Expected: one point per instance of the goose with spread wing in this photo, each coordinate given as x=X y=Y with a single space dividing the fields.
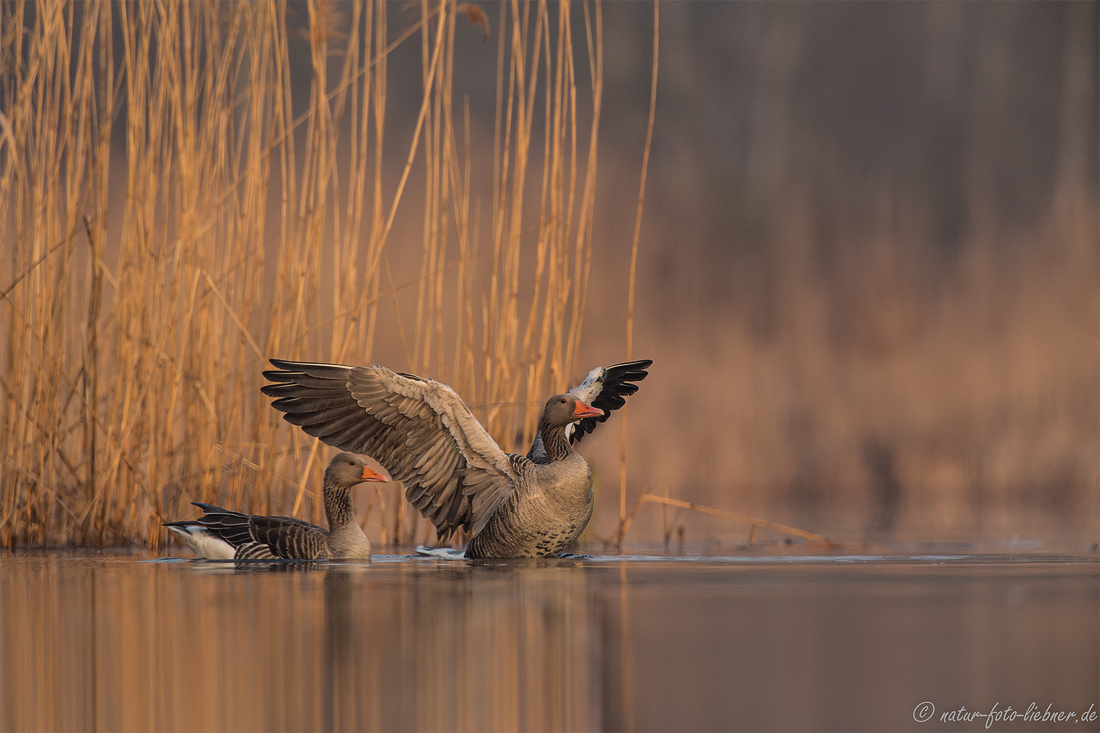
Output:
x=220 y=534
x=453 y=472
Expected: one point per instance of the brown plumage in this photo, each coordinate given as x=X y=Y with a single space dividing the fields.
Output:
x=453 y=471
x=220 y=534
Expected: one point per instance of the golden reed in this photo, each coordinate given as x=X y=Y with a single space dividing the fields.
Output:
x=174 y=213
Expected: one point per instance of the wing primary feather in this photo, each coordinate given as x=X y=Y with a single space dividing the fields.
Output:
x=307 y=368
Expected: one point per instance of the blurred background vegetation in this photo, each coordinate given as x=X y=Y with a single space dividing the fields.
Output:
x=868 y=268
x=871 y=265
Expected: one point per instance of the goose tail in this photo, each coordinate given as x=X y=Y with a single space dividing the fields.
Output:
x=205 y=544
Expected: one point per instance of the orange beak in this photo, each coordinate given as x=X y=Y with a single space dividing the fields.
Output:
x=584 y=410
x=369 y=474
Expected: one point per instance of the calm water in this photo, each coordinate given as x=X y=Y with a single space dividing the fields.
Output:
x=119 y=642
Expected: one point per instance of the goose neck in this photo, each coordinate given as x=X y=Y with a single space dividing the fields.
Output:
x=554 y=440
x=338 y=508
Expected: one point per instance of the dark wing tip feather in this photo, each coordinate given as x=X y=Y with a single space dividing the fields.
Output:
x=311 y=396
x=209 y=511
x=291 y=371
x=283 y=404
x=632 y=367
x=618 y=384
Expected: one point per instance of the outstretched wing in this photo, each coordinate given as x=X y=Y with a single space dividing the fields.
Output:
x=421 y=432
x=606 y=388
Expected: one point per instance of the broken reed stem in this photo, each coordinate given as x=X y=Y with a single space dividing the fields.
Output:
x=634 y=253
x=753 y=522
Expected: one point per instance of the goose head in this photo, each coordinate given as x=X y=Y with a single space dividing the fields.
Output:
x=563 y=409
x=347 y=470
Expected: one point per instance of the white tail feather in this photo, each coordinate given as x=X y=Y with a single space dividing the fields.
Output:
x=205 y=545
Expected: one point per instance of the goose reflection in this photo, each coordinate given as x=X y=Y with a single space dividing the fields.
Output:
x=488 y=646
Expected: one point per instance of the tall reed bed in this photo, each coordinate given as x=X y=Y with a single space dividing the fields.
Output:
x=173 y=214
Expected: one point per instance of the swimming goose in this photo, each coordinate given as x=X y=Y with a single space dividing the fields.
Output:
x=220 y=534
x=453 y=471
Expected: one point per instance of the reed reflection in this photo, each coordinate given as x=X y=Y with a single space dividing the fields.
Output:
x=109 y=643
x=88 y=645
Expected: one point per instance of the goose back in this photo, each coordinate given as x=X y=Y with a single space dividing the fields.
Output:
x=260 y=537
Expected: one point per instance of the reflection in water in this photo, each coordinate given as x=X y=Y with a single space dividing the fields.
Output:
x=110 y=643
x=621 y=706
x=498 y=648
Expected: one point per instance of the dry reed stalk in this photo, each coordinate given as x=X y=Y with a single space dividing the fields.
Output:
x=534 y=338
x=130 y=365
x=634 y=253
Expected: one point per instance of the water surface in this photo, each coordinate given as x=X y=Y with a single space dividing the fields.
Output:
x=118 y=642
